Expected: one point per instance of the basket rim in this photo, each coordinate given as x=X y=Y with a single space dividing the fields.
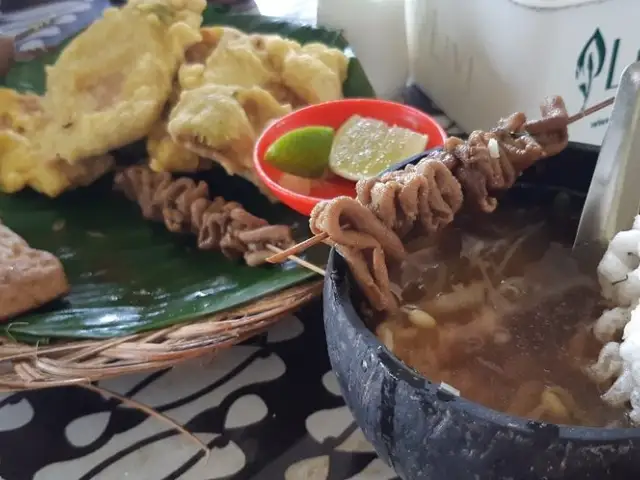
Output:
x=73 y=362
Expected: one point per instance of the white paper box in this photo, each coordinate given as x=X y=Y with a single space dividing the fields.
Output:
x=481 y=60
x=375 y=30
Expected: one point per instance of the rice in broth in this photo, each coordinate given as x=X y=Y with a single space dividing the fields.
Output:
x=496 y=307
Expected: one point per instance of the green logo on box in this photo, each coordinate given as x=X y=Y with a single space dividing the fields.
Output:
x=590 y=64
x=598 y=58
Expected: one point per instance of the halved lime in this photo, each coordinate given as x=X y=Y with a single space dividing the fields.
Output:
x=365 y=147
x=303 y=152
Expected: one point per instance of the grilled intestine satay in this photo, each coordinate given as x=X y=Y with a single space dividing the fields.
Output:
x=365 y=245
x=427 y=196
x=185 y=206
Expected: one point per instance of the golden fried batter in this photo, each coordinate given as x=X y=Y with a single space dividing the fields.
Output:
x=23 y=163
x=191 y=72
x=165 y=155
x=19 y=115
x=221 y=123
x=333 y=58
x=312 y=72
x=211 y=37
x=15 y=161
x=211 y=122
x=260 y=106
x=19 y=112
x=311 y=79
x=275 y=47
x=233 y=61
x=53 y=176
x=101 y=102
x=234 y=84
x=229 y=86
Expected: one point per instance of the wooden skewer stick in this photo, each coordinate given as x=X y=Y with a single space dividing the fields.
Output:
x=298 y=260
x=283 y=255
x=592 y=109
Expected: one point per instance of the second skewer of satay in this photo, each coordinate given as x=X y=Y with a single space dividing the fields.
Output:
x=369 y=229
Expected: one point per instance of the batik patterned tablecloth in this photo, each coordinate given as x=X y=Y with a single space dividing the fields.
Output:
x=268 y=409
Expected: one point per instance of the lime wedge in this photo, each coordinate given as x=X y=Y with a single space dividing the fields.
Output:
x=365 y=147
x=303 y=152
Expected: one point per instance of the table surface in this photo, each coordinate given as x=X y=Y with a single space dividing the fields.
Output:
x=268 y=409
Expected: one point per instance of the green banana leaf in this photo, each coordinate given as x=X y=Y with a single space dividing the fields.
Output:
x=129 y=275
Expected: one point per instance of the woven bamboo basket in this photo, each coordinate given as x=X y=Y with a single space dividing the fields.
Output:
x=29 y=367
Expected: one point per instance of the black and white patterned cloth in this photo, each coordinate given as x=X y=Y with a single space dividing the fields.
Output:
x=268 y=409
x=17 y=16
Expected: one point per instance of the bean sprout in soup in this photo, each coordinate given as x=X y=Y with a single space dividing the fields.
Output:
x=496 y=307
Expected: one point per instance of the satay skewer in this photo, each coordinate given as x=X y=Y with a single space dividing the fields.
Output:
x=283 y=255
x=583 y=113
x=321 y=237
x=592 y=109
x=298 y=260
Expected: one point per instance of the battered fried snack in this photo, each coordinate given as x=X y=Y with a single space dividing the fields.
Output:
x=20 y=112
x=101 y=102
x=221 y=123
x=315 y=75
x=24 y=164
x=165 y=155
x=185 y=206
x=232 y=84
x=210 y=121
x=225 y=56
x=29 y=278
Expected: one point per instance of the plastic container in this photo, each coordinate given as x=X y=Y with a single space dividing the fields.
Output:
x=334 y=114
x=376 y=32
x=503 y=56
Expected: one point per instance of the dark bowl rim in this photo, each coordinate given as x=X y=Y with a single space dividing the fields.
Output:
x=392 y=363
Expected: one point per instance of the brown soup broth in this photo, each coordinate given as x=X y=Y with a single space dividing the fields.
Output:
x=512 y=312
